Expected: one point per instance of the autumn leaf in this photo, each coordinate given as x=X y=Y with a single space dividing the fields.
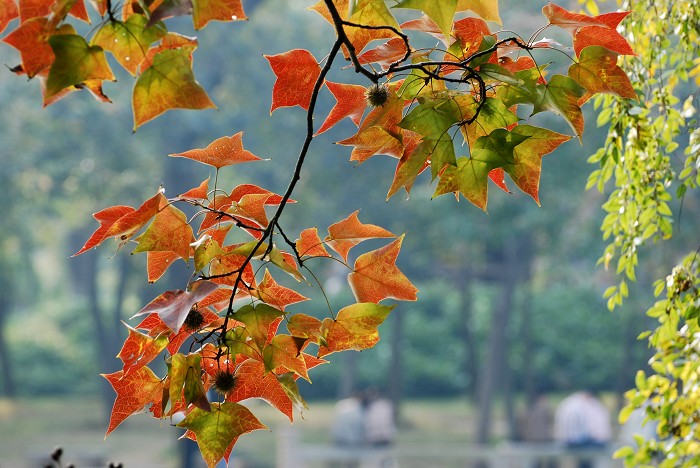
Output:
x=206 y=250
x=157 y=263
x=198 y=193
x=76 y=62
x=528 y=154
x=106 y=218
x=284 y=351
x=442 y=13
x=375 y=276
x=597 y=71
x=204 y=11
x=128 y=41
x=8 y=12
x=277 y=296
x=224 y=151
x=561 y=96
x=493 y=114
x=309 y=244
x=254 y=381
x=169 y=232
x=217 y=429
x=296 y=72
x=486 y=9
x=139 y=349
x=155 y=326
x=173 y=306
x=168 y=83
x=185 y=373
x=30 y=38
x=568 y=20
x=134 y=392
x=604 y=36
x=345 y=234
x=350 y=102
x=354 y=328
x=392 y=51
x=427 y=25
x=305 y=326
x=258 y=319
x=415 y=159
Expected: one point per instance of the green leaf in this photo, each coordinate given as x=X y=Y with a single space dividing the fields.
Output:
x=76 y=62
x=496 y=72
x=561 y=96
x=128 y=41
x=258 y=319
x=218 y=429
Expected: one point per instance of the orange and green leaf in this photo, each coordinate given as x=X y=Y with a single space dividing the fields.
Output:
x=224 y=151
x=345 y=234
x=129 y=41
x=31 y=39
x=355 y=328
x=139 y=349
x=76 y=62
x=254 y=381
x=597 y=71
x=277 y=296
x=169 y=232
x=204 y=11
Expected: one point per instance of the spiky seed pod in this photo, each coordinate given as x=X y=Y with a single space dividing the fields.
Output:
x=377 y=95
x=194 y=319
x=224 y=382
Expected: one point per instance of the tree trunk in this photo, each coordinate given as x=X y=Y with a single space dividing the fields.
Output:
x=8 y=381
x=395 y=385
x=348 y=376
x=470 y=364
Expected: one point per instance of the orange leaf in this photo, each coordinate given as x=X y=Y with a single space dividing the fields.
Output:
x=349 y=232
x=126 y=226
x=498 y=177
x=224 y=151
x=413 y=161
x=254 y=381
x=305 y=326
x=8 y=12
x=390 y=52
x=210 y=10
x=197 y=193
x=31 y=38
x=106 y=218
x=134 y=392
x=169 y=232
x=247 y=189
x=173 y=306
x=139 y=349
x=597 y=71
x=284 y=351
x=157 y=263
x=568 y=20
x=228 y=265
x=251 y=207
x=310 y=244
x=376 y=277
x=427 y=25
x=355 y=328
x=350 y=102
x=277 y=296
x=296 y=72
x=258 y=320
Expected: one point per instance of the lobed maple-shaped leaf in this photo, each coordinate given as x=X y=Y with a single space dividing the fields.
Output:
x=597 y=71
x=251 y=207
x=528 y=154
x=168 y=83
x=106 y=218
x=310 y=244
x=354 y=328
x=392 y=51
x=168 y=232
x=285 y=351
x=57 y=8
x=305 y=326
x=277 y=296
x=254 y=381
x=8 y=12
x=206 y=250
x=224 y=151
x=604 y=36
x=173 y=306
x=217 y=429
x=155 y=326
x=135 y=391
x=129 y=40
x=561 y=96
x=427 y=25
x=344 y=235
x=370 y=13
x=296 y=72
x=375 y=276
x=204 y=11
x=415 y=159
x=350 y=102
x=227 y=266
x=31 y=39
x=486 y=9
x=493 y=114
x=139 y=349
x=75 y=63
x=157 y=264
x=442 y=13
x=470 y=176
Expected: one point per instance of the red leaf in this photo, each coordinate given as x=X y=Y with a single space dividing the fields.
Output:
x=568 y=20
x=225 y=151
x=606 y=36
x=106 y=218
x=31 y=38
x=350 y=102
x=173 y=306
x=498 y=177
x=8 y=12
x=349 y=232
x=157 y=263
x=376 y=277
x=126 y=226
x=305 y=326
x=296 y=72
x=390 y=52
x=134 y=391
x=597 y=71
